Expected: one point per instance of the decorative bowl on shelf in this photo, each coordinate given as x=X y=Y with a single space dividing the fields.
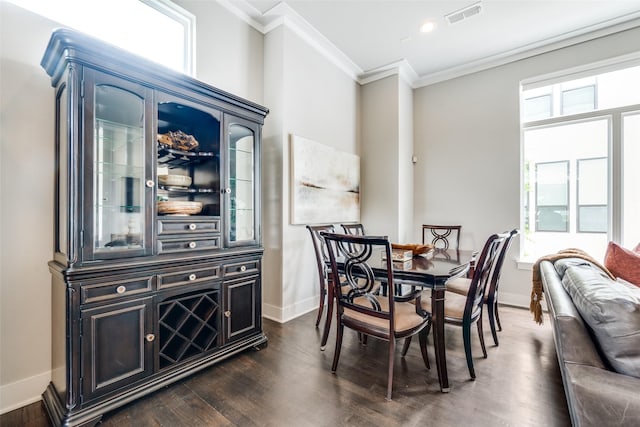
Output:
x=179 y=207
x=175 y=180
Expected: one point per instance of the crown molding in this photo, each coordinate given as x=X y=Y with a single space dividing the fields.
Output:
x=283 y=15
x=401 y=68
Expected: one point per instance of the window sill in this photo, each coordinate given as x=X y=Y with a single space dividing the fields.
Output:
x=525 y=264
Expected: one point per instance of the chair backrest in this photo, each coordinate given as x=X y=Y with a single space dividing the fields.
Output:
x=355 y=252
x=442 y=236
x=353 y=229
x=497 y=267
x=481 y=275
x=320 y=248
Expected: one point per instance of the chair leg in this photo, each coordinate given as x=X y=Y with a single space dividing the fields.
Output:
x=492 y=308
x=481 y=335
x=423 y=345
x=327 y=322
x=498 y=317
x=466 y=337
x=336 y=351
x=405 y=346
x=323 y=293
x=392 y=351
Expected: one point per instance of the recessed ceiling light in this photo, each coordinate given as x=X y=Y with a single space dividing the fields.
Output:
x=427 y=27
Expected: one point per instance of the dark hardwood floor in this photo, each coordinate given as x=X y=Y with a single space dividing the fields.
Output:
x=289 y=383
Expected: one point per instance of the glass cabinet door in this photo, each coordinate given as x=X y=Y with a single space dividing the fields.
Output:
x=120 y=174
x=242 y=201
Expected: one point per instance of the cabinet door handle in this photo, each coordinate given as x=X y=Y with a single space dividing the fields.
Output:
x=192 y=277
x=227 y=190
x=150 y=183
x=121 y=289
x=150 y=337
x=192 y=245
x=227 y=313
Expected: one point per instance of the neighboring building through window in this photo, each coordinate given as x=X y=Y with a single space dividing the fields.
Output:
x=158 y=30
x=581 y=146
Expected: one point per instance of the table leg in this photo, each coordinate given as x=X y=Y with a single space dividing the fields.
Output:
x=437 y=305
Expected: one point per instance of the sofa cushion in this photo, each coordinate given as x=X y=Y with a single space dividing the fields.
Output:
x=612 y=311
x=623 y=263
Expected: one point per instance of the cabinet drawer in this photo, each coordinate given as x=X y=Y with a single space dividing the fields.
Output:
x=188 y=276
x=188 y=245
x=170 y=226
x=241 y=268
x=114 y=289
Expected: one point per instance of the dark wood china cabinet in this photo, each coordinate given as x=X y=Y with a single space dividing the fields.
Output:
x=157 y=260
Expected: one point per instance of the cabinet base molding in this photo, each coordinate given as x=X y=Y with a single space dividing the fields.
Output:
x=92 y=414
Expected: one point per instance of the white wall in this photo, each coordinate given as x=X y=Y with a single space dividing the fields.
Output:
x=229 y=56
x=379 y=159
x=467 y=139
x=317 y=101
x=26 y=205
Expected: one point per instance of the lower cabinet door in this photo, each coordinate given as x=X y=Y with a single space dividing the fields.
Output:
x=242 y=311
x=117 y=346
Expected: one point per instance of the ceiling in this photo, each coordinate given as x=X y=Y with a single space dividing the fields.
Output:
x=378 y=34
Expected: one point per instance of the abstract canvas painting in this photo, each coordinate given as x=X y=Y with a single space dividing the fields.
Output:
x=325 y=184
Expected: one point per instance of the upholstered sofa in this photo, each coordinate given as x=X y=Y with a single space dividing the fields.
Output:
x=596 y=329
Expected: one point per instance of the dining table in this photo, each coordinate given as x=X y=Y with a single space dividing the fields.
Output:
x=428 y=271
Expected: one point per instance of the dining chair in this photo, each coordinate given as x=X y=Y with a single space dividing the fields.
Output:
x=461 y=286
x=465 y=310
x=322 y=260
x=441 y=236
x=359 y=306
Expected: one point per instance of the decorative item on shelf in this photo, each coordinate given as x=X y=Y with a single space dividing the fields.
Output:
x=179 y=207
x=178 y=140
x=175 y=180
x=415 y=249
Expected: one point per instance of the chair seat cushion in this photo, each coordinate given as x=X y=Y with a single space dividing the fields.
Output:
x=459 y=285
x=453 y=304
x=405 y=316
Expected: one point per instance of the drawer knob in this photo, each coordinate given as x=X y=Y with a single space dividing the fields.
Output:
x=150 y=183
x=192 y=245
x=121 y=289
x=192 y=276
x=150 y=337
x=243 y=268
x=227 y=313
x=192 y=227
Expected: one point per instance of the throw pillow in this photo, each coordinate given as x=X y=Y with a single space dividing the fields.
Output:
x=612 y=311
x=623 y=263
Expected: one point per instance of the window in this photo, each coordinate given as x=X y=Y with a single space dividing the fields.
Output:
x=579 y=100
x=581 y=145
x=592 y=195
x=158 y=30
x=552 y=196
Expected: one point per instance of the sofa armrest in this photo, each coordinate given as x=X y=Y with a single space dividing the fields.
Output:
x=599 y=397
x=574 y=343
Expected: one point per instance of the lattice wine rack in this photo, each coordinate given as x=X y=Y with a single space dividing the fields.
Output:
x=189 y=326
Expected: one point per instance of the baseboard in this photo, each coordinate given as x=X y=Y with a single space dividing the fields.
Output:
x=24 y=392
x=283 y=315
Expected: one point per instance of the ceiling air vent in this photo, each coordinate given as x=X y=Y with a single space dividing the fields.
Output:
x=464 y=13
